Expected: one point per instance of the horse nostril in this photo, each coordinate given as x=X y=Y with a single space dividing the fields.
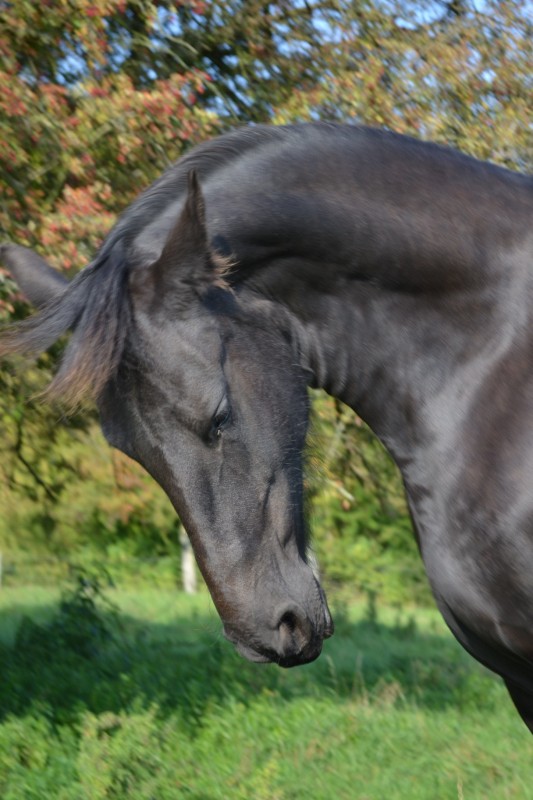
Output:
x=294 y=631
x=288 y=620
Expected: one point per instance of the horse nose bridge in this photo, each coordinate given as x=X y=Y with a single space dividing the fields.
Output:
x=281 y=509
x=290 y=576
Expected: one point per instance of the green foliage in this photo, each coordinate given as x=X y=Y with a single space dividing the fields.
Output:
x=79 y=625
x=161 y=707
x=81 y=503
x=458 y=73
x=363 y=535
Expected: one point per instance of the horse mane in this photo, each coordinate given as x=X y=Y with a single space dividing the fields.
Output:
x=96 y=304
x=95 y=307
x=205 y=159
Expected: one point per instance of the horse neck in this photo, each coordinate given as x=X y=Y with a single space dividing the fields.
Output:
x=389 y=309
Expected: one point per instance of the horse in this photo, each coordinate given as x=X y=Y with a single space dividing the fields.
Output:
x=395 y=274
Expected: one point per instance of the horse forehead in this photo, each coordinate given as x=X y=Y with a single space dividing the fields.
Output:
x=193 y=342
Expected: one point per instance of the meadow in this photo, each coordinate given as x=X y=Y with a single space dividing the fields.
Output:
x=135 y=694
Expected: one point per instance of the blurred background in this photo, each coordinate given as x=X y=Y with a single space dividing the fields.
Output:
x=97 y=98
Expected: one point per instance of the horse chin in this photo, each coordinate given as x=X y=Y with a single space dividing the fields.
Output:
x=251 y=655
x=272 y=658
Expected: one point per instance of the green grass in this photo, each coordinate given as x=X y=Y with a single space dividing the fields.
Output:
x=165 y=709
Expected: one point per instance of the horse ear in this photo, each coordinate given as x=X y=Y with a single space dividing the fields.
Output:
x=185 y=255
x=188 y=266
x=40 y=283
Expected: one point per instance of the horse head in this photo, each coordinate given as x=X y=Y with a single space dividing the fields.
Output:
x=212 y=404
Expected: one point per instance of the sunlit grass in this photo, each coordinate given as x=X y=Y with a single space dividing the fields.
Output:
x=165 y=709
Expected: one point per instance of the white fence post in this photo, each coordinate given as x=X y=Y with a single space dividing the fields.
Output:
x=188 y=565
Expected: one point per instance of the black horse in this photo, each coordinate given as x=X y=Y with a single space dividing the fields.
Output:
x=394 y=274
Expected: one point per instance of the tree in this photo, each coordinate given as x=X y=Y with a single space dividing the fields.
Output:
x=454 y=72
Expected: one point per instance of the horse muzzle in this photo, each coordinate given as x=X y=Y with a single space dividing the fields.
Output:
x=293 y=641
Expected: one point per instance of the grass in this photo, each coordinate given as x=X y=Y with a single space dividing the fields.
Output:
x=164 y=709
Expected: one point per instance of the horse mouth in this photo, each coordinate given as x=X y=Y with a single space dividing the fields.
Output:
x=299 y=660
x=250 y=654
x=306 y=656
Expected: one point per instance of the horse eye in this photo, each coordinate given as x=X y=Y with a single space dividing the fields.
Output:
x=220 y=421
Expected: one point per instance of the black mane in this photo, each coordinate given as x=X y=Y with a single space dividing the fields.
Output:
x=204 y=159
